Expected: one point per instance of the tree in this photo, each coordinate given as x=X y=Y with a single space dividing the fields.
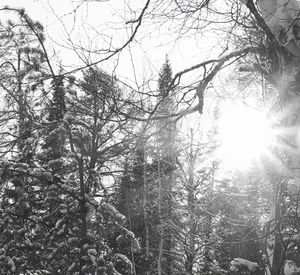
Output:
x=274 y=58
x=191 y=183
x=145 y=193
x=131 y=201
x=49 y=188
x=22 y=66
x=67 y=152
x=96 y=137
x=166 y=163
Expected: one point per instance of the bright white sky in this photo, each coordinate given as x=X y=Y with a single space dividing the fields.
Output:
x=99 y=24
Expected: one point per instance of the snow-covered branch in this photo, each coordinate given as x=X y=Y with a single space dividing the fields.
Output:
x=238 y=263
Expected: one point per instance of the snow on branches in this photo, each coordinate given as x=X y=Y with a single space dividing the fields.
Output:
x=238 y=263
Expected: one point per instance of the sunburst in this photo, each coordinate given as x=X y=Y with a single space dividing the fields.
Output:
x=245 y=136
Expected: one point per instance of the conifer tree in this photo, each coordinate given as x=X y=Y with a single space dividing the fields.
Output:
x=55 y=137
x=21 y=72
x=166 y=164
x=96 y=137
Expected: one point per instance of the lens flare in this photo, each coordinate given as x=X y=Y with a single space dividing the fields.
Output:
x=245 y=135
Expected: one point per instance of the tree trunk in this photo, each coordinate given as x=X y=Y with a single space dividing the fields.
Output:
x=191 y=189
x=83 y=212
x=290 y=107
x=161 y=229
x=145 y=202
x=208 y=230
x=167 y=228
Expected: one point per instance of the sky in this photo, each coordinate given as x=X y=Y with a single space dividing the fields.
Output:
x=96 y=25
x=100 y=24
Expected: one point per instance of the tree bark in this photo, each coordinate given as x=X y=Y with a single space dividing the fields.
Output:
x=161 y=230
x=145 y=202
x=83 y=212
x=190 y=252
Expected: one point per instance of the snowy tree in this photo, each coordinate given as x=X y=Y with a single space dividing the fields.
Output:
x=65 y=136
x=166 y=162
x=22 y=69
x=96 y=139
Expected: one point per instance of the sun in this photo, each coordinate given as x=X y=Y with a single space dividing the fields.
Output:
x=245 y=136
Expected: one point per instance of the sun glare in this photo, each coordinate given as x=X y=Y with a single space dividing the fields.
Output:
x=245 y=136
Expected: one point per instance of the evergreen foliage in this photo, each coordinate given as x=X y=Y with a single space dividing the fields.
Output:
x=92 y=182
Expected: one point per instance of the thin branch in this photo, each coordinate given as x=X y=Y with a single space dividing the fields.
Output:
x=138 y=21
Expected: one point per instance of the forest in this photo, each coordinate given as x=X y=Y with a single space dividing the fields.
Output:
x=150 y=137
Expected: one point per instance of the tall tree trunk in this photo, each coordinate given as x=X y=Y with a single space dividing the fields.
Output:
x=290 y=107
x=190 y=252
x=166 y=167
x=208 y=230
x=83 y=212
x=192 y=223
x=161 y=229
x=169 y=180
x=145 y=211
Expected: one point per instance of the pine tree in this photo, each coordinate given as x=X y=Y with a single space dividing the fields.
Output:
x=21 y=71
x=54 y=143
x=166 y=164
x=95 y=133
x=52 y=222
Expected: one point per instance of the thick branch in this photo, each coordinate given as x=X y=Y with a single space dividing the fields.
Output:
x=220 y=62
x=263 y=25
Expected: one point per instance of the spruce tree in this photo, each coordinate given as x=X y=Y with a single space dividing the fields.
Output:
x=166 y=164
